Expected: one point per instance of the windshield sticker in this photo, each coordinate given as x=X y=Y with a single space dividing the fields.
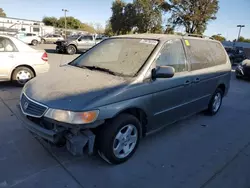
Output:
x=153 y=42
x=187 y=43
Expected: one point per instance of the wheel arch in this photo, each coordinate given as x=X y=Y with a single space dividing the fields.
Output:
x=27 y=66
x=222 y=86
x=139 y=113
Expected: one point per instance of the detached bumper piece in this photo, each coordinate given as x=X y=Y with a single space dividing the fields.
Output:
x=75 y=143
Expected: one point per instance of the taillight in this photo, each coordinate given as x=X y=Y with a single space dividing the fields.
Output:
x=45 y=56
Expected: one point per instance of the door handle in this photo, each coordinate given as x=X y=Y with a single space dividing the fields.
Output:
x=196 y=80
x=187 y=82
x=11 y=56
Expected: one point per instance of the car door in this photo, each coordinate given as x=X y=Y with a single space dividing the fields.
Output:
x=85 y=42
x=204 y=76
x=169 y=100
x=7 y=57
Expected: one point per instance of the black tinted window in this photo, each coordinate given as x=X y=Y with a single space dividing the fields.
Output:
x=86 y=38
x=200 y=54
x=219 y=55
x=173 y=55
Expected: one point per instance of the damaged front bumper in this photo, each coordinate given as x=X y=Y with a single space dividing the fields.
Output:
x=76 y=139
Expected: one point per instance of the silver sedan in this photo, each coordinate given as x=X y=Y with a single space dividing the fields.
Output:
x=19 y=62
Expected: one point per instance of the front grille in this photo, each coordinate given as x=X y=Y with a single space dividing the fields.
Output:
x=32 y=108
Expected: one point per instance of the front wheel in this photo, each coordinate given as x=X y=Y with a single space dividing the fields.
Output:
x=21 y=75
x=215 y=102
x=34 y=42
x=71 y=49
x=118 y=140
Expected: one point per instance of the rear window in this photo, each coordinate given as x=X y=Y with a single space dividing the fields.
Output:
x=219 y=55
x=200 y=54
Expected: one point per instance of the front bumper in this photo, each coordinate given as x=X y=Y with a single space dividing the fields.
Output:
x=76 y=141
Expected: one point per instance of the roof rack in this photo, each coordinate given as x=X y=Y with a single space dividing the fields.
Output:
x=197 y=35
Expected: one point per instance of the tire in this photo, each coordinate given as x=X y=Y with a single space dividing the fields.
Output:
x=238 y=77
x=34 y=42
x=71 y=49
x=214 y=106
x=113 y=134
x=21 y=75
x=43 y=41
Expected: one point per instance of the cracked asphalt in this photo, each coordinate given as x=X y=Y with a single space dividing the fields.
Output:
x=199 y=152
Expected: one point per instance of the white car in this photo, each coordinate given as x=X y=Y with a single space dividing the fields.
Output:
x=29 y=38
x=19 y=62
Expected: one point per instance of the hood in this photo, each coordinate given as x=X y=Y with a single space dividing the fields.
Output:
x=72 y=88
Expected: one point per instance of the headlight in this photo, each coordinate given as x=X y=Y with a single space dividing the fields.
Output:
x=72 y=117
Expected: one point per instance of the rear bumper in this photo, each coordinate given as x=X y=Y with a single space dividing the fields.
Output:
x=41 y=68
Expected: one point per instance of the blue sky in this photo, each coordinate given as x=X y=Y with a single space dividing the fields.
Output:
x=231 y=13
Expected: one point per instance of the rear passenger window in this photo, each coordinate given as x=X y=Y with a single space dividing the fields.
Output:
x=173 y=55
x=219 y=55
x=200 y=54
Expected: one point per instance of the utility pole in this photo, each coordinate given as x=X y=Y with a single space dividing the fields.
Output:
x=240 y=26
x=65 y=21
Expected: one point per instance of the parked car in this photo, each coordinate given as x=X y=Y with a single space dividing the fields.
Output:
x=72 y=45
x=243 y=69
x=51 y=38
x=124 y=88
x=29 y=38
x=236 y=54
x=20 y=62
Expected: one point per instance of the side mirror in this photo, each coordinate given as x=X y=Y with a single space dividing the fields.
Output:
x=163 y=72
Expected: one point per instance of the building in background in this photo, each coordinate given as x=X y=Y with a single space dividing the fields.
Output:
x=10 y=25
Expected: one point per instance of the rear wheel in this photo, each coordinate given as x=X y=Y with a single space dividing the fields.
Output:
x=117 y=141
x=71 y=49
x=215 y=102
x=21 y=75
x=34 y=42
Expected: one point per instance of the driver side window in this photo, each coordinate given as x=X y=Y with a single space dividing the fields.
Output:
x=172 y=54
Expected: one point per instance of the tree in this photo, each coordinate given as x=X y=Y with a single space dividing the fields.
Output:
x=50 y=21
x=144 y=15
x=148 y=16
x=108 y=29
x=219 y=38
x=117 y=18
x=242 y=39
x=2 y=13
x=98 y=28
x=72 y=23
x=88 y=28
x=194 y=15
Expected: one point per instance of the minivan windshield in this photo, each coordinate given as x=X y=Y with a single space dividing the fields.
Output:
x=120 y=56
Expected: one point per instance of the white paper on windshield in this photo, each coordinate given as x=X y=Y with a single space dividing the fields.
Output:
x=152 y=42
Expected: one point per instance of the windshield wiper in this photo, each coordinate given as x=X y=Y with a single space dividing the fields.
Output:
x=99 y=69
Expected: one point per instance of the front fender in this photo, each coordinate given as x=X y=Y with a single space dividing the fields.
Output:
x=111 y=110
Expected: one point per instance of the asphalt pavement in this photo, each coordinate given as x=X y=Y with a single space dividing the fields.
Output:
x=199 y=152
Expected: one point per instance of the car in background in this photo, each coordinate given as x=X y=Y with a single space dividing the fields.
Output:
x=29 y=38
x=81 y=43
x=124 y=88
x=51 y=38
x=19 y=62
x=236 y=54
x=243 y=69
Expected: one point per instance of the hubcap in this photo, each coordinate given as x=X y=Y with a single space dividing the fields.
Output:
x=23 y=76
x=71 y=50
x=217 y=102
x=125 y=141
